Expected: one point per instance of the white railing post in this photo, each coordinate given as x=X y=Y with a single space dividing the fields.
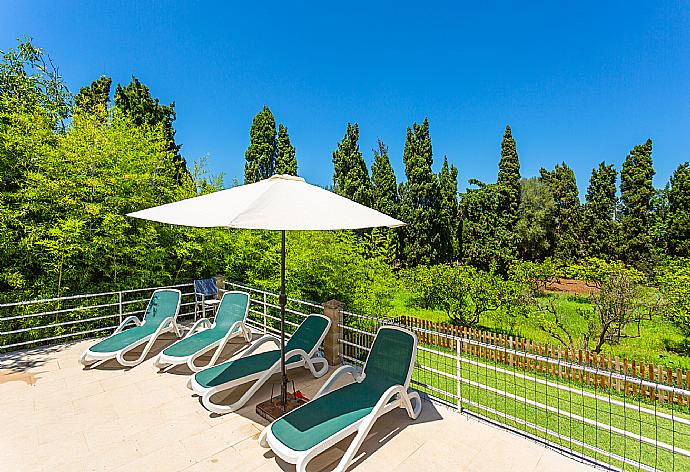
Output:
x=119 y=305
x=265 y=313
x=458 y=372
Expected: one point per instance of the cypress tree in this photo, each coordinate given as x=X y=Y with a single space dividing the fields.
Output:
x=351 y=174
x=136 y=102
x=419 y=199
x=600 y=213
x=509 y=178
x=678 y=216
x=637 y=192
x=448 y=212
x=384 y=192
x=563 y=187
x=94 y=98
x=286 y=162
x=384 y=186
x=261 y=154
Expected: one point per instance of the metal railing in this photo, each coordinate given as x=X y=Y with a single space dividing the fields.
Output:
x=39 y=322
x=497 y=382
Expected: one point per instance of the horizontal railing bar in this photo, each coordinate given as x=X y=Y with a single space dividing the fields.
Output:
x=273 y=294
x=86 y=295
x=432 y=388
x=57 y=312
x=62 y=336
x=55 y=325
x=583 y=393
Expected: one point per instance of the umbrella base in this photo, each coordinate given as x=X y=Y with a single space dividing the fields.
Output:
x=272 y=409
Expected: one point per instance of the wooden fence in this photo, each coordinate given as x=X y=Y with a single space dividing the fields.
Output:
x=603 y=365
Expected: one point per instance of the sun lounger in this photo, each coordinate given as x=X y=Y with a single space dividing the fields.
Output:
x=300 y=351
x=335 y=414
x=229 y=322
x=160 y=317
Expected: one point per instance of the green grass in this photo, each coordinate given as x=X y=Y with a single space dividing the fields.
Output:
x=630 y=420
x=656 y=343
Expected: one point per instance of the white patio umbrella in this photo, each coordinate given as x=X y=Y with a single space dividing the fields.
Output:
x=281 y=203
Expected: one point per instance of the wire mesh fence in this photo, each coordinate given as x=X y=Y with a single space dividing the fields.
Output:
x=618 y=421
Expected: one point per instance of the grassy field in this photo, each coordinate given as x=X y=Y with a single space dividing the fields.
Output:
x=659 y=341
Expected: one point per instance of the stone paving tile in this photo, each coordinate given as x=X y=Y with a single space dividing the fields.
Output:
x=58 y=416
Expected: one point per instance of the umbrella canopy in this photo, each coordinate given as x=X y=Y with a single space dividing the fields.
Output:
x=281 y=202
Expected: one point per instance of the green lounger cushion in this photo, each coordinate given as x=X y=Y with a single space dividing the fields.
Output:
x=232 y=309
x=388 y=365
x=163 y=304
x=306 y=336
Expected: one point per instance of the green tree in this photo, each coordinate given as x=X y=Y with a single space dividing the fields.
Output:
x=487 y=243
x=601 y=230
x=29 y=80
x=263 y=147
x=535 y=226
x=384 y=188
x=350 y=172
x=567 y=233
x=637 y=192
x=448 y=212
x=286 y=162
x=509 y=179
x=94 y=98
x=678 y=216
x=419 y=197
x=135 y=101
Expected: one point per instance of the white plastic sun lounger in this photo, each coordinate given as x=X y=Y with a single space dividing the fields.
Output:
x=335 y=414
x=300 y=351
x=160 y=317
x=229 y=322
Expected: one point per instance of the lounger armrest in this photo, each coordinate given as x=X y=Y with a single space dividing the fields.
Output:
x=196 y=326
x=356 y=373
x=126 y=321
x=259 y=342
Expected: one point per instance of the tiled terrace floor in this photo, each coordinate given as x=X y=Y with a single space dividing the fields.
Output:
x=56 y=416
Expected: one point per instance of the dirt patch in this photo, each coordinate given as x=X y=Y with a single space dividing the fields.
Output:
x=9 y=376
x=571 y=286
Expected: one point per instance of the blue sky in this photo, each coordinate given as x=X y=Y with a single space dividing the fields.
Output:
x=579 y=82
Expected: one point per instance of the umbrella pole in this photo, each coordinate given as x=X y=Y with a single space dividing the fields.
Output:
x=283 y=302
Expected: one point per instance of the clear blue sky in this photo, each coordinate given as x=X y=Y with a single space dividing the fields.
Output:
x=578 y=81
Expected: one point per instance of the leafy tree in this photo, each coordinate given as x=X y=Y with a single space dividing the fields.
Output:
x=135 y=101
x=448 y=212
x=600 y=211
x=486 y=242
x=535 y=227
x=384 y=186
x=29 y=81
x=637 y=192
x=673 y=277
x=351 y=175
x=384 y=192
x=563 y=187
x=678 y=217
x=286 y=162
x=94 y=98
x=419 y=197
x=263 y=147
x=509 y=179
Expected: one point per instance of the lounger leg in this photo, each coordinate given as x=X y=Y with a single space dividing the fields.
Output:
x=309 y=364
